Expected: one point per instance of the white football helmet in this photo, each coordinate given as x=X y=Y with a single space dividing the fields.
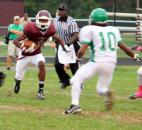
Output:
x=43 y=19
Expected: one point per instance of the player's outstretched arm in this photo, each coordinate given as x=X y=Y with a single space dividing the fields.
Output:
x=17 y=40
x=128 y=51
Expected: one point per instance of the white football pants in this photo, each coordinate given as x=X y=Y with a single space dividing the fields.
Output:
x=102 y=69
x=139 y=72
x=22 y=64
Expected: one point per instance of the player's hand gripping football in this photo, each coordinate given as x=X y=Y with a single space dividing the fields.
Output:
x=30 y=49
x=28 y=46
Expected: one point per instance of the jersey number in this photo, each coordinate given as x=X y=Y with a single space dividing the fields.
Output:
x=111 y=38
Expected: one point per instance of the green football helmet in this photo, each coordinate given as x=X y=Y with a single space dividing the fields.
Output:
x=98 y=15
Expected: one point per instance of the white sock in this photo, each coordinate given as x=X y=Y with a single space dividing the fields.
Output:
x=75 y=93
x=139 y=79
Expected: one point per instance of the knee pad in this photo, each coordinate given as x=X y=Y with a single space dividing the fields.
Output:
x=19 y=76
x=102 y=91
x=76 y=79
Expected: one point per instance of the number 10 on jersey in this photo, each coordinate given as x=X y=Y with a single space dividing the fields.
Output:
x=108 y=42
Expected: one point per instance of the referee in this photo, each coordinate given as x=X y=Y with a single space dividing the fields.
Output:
x=67 y=29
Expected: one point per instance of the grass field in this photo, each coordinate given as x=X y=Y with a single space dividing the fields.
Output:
x=24 y=112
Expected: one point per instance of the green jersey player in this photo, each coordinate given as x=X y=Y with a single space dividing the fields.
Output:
x=103 y=41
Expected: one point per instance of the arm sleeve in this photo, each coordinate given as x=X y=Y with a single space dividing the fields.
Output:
x=21 y=28
x=118 y=36
x=53 y=30
x=85 y=36
x=10 y=27
x=26 y=30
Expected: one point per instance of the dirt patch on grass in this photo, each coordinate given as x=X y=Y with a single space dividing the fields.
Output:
x=28 y=109
x=127 y=117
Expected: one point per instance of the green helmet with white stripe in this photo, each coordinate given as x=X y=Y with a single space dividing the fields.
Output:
x=98 y=15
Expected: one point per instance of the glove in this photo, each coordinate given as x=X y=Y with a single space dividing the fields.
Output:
x=22 y=47
x=27 y=50
x=136 y=57
x=30 y=49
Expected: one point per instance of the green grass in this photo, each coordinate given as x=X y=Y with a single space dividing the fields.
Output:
x=1 y=37
x=24 y=112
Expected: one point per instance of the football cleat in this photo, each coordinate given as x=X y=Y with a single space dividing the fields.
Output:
x=40 y=96
x=64 y=85
x=16 y=89
x=109 y=101
x=73 y=109
x=8 y=68
x=135 y=95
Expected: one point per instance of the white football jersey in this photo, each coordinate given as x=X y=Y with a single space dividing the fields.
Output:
x=103 y=42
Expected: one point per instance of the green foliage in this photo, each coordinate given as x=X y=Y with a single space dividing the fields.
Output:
x=33 y=6
x=79 y=8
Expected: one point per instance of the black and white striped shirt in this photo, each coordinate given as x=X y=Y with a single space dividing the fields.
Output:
x=65 y=28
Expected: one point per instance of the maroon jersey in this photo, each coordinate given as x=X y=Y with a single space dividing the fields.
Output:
x=36 y=35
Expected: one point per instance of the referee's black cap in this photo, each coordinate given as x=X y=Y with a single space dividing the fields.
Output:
x=63 y=7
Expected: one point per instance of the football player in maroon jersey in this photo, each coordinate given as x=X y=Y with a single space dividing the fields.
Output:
x=38 y=32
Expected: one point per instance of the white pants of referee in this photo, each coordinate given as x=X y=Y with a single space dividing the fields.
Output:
x=103 y=69
x=23 y=63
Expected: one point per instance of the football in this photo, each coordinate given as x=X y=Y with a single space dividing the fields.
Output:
x=28 y=43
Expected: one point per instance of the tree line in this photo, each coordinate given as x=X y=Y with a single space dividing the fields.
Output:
x=80 y=8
